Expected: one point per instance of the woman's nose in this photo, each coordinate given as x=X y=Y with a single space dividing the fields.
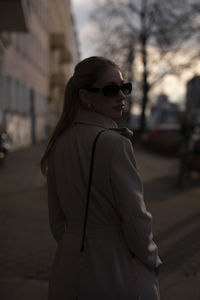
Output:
x=121 y=95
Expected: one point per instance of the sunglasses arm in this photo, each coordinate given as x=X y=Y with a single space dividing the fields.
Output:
x=94 y=90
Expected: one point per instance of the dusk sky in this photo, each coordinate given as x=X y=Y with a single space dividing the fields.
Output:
x=85 y=28
x=81 y=11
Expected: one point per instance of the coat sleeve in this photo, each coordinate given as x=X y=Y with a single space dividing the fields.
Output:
x=56 y=216
x=136 y=221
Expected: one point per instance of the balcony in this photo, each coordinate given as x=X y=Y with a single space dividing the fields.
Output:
x=66 y=56
x=58 y=79
x=13 y=15
x=57 y=41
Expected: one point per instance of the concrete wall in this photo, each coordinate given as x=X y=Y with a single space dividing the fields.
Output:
x=25 y=73
x=29 y=103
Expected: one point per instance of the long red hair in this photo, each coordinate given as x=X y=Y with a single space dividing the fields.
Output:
x=85 y=75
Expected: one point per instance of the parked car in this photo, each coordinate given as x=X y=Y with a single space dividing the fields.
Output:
x=165 y=138
x=4 y=145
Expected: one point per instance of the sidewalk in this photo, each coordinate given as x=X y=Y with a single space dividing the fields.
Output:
x=23 y=289
x=176 y=225
x=27 y=248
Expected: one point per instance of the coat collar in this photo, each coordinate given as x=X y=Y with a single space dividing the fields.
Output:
x=93 y=118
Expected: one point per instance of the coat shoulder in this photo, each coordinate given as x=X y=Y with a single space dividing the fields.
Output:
x=120 y=136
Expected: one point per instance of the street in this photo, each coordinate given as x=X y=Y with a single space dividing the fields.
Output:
x=27 y=247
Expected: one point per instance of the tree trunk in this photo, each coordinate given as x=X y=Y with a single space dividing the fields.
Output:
x=130 y=61
x=145 y=85
x=145 y=90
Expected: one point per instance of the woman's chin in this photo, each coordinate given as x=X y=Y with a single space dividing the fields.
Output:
x=117 y=114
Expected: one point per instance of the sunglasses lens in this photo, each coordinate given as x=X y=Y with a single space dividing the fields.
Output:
x=126 y=88
x=110 y=90
x=113 y=90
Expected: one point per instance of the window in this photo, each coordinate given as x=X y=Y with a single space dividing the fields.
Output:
x=26 y=99
x=7 y=93
x=14 y=84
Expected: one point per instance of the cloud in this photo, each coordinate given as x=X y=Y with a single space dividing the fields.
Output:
x=87 y=31
x=81 y=10
x=89 y=28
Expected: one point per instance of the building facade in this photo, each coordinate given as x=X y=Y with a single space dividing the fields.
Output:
x=193 y=98
x=164 y=112
x=35 y=63
x=25 y=77
x=64 y=54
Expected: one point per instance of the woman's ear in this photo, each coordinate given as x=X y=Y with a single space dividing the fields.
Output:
x=85 y=97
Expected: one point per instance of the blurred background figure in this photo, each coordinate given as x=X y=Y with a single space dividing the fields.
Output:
x=189 y=153
x=4 y=144
x=187 y=127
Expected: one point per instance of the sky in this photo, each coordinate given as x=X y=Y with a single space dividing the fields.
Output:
x=81 y=10
x=174 y=87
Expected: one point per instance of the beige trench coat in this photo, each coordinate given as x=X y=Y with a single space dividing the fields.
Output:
x=118 y=222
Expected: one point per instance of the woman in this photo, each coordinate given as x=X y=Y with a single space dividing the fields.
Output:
x=120 y=259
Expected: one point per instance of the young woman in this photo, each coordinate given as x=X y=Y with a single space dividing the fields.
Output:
x=120 y=259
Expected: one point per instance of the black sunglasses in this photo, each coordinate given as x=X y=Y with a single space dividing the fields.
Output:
x=113 y=89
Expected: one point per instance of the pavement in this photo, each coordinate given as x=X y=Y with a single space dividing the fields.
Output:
x=27 y=248
x=176 y=224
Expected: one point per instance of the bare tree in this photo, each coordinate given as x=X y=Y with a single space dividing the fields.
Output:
x=140 y=29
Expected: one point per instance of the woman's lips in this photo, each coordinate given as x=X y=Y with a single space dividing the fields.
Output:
x=119 y=107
